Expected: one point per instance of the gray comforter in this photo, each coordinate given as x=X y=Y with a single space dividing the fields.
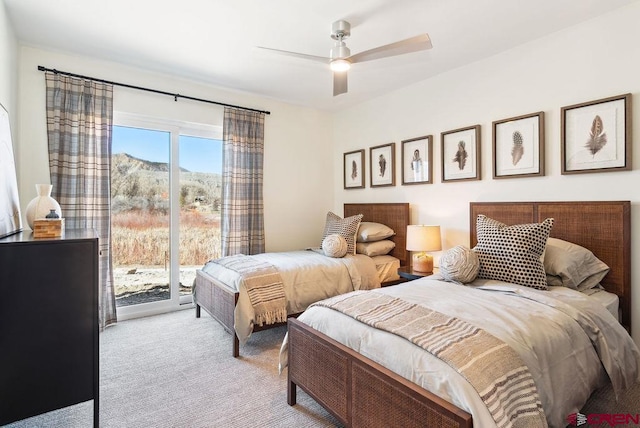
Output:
x=571 y=344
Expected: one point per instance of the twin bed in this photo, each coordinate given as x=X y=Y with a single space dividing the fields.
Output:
x=304 y=282
x=569 y=342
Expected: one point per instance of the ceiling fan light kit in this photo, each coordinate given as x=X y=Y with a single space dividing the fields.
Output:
x=340 y=58
x=340 y=65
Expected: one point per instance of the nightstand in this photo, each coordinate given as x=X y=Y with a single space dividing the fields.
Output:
x=409 y=274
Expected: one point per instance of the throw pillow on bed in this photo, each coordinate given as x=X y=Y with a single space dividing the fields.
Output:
x=334 y=246
x=459 y=264
x=512 y=253
x=345 y=227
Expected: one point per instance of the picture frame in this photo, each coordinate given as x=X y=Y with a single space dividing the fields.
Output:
x=596 y=136
x=461 y=154
x=382 y=165
x=518 y=146
x=417 y=164
x=354 y=169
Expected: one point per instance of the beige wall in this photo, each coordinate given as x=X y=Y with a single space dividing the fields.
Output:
x=298 y=144
x=8 y=68
x=596 y=59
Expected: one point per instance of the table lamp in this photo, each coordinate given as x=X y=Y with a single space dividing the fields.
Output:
x=422 y=238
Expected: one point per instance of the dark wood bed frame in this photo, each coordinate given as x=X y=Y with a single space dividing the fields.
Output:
x=220 y=301
x=361 y=393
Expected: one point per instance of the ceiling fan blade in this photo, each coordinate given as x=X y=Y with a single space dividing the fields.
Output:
x=413 y=44
x=297 y=54
x=339 y=82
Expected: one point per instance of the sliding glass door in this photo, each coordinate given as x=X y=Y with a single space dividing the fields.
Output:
x=166 y=188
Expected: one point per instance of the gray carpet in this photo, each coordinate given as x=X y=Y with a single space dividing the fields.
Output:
x=174 y=370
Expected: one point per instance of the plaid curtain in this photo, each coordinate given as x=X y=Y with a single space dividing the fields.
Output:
x=79 y=120
x=242 y=206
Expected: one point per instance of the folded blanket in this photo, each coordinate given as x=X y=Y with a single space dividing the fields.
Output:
x=497 y=373
x=264 y=287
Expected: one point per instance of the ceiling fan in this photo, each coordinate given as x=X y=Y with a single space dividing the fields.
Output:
x=340 y=58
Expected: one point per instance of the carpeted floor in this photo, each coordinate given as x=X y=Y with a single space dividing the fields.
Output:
x=174 y=370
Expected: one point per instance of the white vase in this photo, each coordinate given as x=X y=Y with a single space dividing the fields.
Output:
x=42 y=204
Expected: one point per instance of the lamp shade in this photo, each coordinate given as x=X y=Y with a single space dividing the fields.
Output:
x=423 y=238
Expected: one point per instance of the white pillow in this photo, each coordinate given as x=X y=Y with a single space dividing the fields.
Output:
x=334 y=246
x=371 y=232
x=377 y=248
x=459 y=264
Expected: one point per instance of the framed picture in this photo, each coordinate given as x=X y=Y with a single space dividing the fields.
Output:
x=354 y=170
x=461 y=154
x=382 y=169
x=596 y=136
x=416 y=160
x=518 y=146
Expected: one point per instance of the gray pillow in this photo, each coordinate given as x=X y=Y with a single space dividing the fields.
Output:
x=572 y=266
x=371 y=232
x=377 y=248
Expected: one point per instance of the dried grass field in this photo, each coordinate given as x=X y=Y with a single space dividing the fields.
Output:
x=140 y=248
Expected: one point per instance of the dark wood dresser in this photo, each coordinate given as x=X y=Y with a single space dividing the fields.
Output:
x=48 y=323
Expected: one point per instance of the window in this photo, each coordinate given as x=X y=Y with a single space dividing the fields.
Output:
x=166 y=185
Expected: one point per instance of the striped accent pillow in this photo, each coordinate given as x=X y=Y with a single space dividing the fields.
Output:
x=345 y=227
x=512 y=253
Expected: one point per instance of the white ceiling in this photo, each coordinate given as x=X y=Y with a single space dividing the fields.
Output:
x=214 y=41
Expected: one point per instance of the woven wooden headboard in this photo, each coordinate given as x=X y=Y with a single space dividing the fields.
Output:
x=394 y=215
x=604 y=227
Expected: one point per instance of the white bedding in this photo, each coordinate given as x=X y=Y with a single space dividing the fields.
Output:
x=307 y=277
x=562 y=336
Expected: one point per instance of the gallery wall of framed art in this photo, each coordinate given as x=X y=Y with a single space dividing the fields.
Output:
x=596 y=136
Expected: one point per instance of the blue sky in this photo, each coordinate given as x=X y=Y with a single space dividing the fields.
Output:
x=196 y=154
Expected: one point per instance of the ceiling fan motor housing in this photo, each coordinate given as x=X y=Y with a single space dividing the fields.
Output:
x=340 y=30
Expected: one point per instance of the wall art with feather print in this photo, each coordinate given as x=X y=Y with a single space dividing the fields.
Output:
x=596 y=136
x=383 y=165
x=354 y=169
x=461 y=154
x=518 y=146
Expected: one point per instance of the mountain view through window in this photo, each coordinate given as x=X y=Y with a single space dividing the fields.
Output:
x=152 y=218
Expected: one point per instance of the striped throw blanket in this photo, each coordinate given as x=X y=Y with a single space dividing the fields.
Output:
x=492 y=367
x=263 y=284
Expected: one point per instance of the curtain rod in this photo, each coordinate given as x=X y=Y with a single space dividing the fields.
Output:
x=175 y=96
